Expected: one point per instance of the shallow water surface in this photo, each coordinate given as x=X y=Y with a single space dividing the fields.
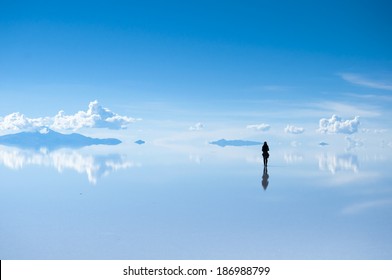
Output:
x=143 y=202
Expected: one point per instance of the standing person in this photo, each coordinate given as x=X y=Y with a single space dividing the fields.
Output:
x=265 y=150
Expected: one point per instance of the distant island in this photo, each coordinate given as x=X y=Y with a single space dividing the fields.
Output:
x=224 y=143
x=140 y=142
x=53 y=140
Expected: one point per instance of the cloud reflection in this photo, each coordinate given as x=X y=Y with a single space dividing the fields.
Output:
x=336 y=163
x=94 y=166
x=292 y=158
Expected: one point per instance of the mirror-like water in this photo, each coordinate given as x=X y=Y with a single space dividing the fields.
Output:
x=148 y=202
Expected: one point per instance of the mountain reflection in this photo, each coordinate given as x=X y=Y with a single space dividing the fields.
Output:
x=336 y=163
x=94 y=166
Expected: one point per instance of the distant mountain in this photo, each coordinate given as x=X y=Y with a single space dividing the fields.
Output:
x=224 y=143
x=52 y=140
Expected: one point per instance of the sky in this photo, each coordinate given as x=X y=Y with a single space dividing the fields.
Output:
x=313 y=78
x=297 y=66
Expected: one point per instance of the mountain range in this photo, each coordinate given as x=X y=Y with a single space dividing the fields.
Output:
x=53 y=140
x=238 y=143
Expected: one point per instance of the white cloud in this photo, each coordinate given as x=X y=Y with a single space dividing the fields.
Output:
x=364 y=109
x=359 y=80
x=382 y=130
x=197 y=126
x=375 y=131
x=96 y=116
x=259 y=127
x=18 y=121
x=336 y=125
x=294 y=129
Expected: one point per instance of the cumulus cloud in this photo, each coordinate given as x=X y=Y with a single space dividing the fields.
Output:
x=259 y=127
x=336 y=125
x=18 y=121
x=96 y=116
x=197 y=126
x=294 y=129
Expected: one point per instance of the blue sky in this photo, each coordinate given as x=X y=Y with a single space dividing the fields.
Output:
x=179 y=75
x=256 y=61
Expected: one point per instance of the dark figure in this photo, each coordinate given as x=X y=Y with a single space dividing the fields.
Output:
x=265 y=150
x=265 y=182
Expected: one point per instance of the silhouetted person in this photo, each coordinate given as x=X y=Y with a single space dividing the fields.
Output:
x=265 y=150
x=264 y=182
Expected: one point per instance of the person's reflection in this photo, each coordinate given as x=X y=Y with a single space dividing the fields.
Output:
x=264 y=181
